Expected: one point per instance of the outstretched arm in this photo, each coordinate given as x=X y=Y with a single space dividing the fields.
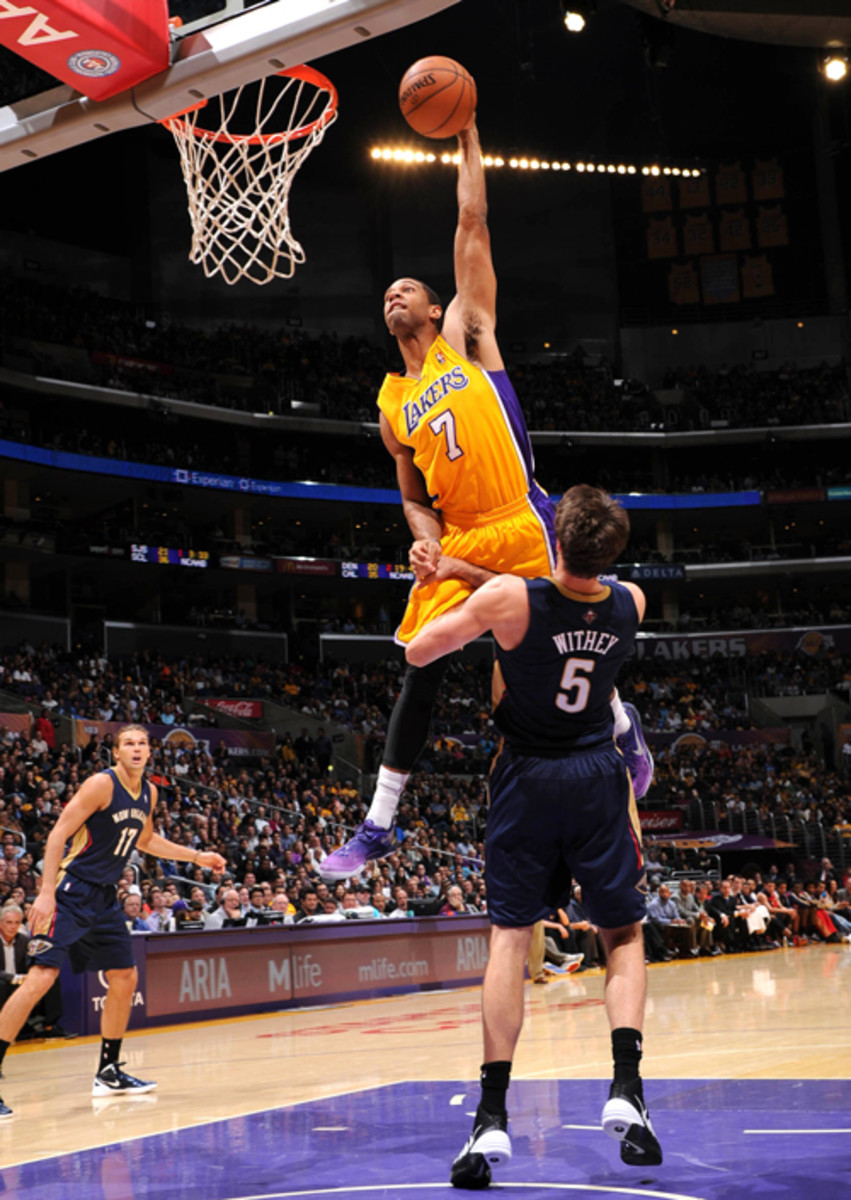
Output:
x=470 y=323
x=160 y=847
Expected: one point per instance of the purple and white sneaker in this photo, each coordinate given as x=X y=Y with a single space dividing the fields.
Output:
x=370 y=841
x=633 y=747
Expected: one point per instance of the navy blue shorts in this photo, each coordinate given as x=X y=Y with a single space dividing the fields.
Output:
x=88 y=926
x=553 y=818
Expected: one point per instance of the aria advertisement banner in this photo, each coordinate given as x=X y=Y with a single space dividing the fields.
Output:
x=237 y=742
x=302 y=969
x=815 y=643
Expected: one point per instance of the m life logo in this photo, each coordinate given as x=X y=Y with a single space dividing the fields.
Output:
x=302 y=972
x=38 y=31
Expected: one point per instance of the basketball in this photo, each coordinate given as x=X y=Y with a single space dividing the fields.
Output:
x=437 y=97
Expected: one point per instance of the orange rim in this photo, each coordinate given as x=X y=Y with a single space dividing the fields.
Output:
x=307 y=74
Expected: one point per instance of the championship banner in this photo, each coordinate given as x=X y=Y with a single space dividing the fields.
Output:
x=682 y=647
x=719 y=279
x=249 y=710
x=237 y=742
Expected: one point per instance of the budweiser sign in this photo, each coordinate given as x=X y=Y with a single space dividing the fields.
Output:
x=250 y=710
x=661 y=821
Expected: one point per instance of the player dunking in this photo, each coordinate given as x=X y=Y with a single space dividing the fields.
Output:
x=76 y=912
x=561 y=805
x=465 y=469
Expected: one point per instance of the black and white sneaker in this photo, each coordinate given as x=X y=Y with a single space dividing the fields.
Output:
x=487 y=1146
x=5 y=1112
x=112 y=1080
x=625 y=1118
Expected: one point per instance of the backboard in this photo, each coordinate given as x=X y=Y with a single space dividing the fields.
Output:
x=215 y=46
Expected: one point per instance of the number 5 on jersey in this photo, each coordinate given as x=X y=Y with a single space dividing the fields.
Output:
x=575 y=687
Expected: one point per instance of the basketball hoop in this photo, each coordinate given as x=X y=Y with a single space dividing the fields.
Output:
x=238 y=180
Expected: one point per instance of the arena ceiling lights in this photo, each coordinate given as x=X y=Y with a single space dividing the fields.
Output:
x=405 y=157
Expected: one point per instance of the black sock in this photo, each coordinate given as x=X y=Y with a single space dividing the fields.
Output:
x=110 y=1048
x=494 y=1079
x=4 y=1046
x=626 y=1052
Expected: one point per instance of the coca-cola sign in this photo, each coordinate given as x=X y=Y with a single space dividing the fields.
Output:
x=661 y=821
x=249 y=710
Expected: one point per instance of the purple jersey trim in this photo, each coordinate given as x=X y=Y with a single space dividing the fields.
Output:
x=516 y=421
x=538 y=499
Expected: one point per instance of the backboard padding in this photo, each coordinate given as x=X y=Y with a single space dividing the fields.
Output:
x=220 y=56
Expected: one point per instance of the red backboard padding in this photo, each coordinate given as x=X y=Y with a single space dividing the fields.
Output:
x=99 y=47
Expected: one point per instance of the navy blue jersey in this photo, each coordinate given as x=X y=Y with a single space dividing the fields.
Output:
x=558 y=681
x=99 y=850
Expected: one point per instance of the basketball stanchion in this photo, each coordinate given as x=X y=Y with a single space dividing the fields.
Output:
x=240 y=153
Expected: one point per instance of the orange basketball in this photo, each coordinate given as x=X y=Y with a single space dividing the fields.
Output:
x=437 y=97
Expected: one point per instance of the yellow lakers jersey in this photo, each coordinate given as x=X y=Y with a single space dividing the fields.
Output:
x=467 y=432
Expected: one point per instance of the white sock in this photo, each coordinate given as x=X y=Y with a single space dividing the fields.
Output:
x=386 y=797
x=622 y=721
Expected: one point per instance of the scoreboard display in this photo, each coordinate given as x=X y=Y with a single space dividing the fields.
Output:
x=169 y=556
x=374 y=570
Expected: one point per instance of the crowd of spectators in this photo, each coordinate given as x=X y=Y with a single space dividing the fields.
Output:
x=275 y=818
x=257 y=369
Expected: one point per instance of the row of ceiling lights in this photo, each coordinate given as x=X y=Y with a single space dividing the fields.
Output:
x=403 y=155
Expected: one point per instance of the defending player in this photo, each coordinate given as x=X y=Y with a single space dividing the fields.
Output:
x=76 y=912
x=561 y=805
x=465 y=469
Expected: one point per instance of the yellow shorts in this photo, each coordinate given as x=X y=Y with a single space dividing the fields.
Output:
x=513 y=541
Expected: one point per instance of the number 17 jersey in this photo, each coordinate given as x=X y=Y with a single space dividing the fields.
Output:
x=100 y=849
x=553 y=691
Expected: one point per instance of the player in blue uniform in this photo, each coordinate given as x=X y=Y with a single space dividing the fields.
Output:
x=76 y=913
x=561 y=806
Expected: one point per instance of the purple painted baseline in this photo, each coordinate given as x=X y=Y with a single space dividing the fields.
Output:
x=411 y=1132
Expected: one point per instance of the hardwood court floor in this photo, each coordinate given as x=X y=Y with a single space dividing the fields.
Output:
x=779 y=1015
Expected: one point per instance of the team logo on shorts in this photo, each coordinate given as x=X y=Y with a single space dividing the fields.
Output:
x=39 y=946
x=94 y=63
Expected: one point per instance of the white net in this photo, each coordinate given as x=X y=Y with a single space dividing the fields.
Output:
x=240 y=153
